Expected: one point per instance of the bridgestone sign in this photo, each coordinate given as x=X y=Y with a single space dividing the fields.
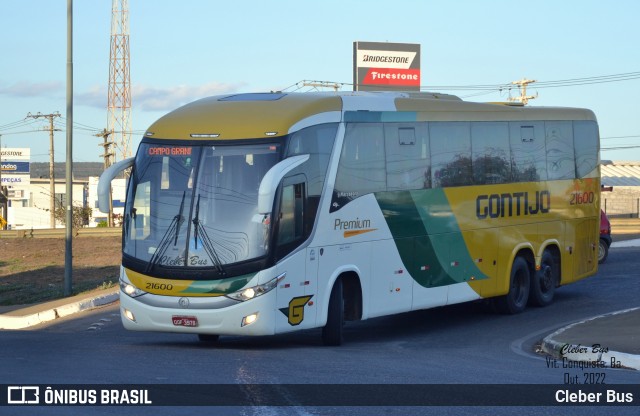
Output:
x=381 y=66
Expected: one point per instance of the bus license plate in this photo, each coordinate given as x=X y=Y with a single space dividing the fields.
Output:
x=185 y=320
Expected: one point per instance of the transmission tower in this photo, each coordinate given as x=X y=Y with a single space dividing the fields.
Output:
x=119 y=104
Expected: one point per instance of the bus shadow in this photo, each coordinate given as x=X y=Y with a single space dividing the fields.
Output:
x=393 y=328
x=436 y=325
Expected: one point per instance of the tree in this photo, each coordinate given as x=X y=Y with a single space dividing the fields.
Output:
x=80 y=216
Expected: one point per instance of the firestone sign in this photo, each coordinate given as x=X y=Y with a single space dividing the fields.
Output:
x=386 y=66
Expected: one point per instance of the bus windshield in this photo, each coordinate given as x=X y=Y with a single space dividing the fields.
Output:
x=196 y=205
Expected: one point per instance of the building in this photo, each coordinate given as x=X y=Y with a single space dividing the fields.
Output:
x=29 y=201
x=621 y=188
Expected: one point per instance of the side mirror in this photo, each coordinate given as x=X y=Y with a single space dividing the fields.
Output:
x=270 y=182
x=104 y=184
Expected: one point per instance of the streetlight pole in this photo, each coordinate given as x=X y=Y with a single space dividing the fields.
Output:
x=68 y=256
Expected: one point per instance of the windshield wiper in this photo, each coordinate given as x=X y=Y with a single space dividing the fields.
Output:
x=179 y=219
x=198 y=229
x=172 y=231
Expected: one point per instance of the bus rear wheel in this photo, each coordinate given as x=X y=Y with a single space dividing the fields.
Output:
x=545 y=280
x=515 y=301
x=332 y=331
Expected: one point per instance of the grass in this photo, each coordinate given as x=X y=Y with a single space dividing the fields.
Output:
x=32 y=270
x=25 y=294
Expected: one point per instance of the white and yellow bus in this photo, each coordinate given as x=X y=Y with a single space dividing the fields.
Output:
x=257 y=214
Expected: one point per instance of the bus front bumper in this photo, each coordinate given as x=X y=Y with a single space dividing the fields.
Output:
x=252 y=317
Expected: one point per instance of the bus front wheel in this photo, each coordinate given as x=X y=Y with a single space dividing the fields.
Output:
x=332 y=331
x=515 y=301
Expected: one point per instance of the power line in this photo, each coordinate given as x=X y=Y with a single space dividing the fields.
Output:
x=550 y=84
x=604 y=149
x=20 y=132
x=570 y=82
x=18 y=124
x=619 y=137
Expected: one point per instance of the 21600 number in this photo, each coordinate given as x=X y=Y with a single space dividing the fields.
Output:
x=579 y=198
x=159 y=286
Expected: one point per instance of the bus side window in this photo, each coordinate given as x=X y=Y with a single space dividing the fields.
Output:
x=490 y=152
x=450 y=153
x=560 y=158
x=291 y=218
x=586 y=140
x=528 y=151
x=361 y=169
x=407 y=156
x=140 y=212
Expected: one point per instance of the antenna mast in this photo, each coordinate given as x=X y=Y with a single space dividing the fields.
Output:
x=119 y=104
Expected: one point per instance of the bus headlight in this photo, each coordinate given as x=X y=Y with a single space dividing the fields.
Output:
x=130 y=289
x=253 y=292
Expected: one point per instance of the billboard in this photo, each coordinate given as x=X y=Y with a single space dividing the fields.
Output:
x=18 y=153
x=15 y=166
x=10 y=180
x=380 y=66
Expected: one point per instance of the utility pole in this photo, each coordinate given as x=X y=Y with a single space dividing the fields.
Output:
x=522 y=88
x=322 y=84
x=108 y=156
x=52 y=183
x=4 y=197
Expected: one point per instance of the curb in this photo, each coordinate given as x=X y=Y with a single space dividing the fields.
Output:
x=21 y=322
x=580 y=353
x=626 y=243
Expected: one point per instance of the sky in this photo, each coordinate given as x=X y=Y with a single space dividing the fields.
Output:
x=187 y=50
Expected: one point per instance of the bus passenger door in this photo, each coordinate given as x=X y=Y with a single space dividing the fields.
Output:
x=294 y=302
x=296 y=290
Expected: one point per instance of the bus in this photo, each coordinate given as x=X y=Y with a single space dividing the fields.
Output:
x=266 y=213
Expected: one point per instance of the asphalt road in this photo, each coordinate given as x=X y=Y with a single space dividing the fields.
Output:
x=458 y=345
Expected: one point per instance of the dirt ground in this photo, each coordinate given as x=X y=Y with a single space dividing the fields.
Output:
x=32 y=269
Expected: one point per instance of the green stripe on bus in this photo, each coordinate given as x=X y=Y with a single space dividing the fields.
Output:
x=427 y=237
x=222 y=287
